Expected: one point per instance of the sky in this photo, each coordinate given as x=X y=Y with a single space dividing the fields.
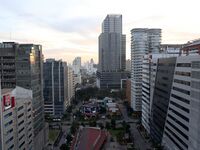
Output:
x=70 y=28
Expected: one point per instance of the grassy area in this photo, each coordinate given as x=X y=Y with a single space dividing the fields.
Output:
x=115 y=132
x=53 y=134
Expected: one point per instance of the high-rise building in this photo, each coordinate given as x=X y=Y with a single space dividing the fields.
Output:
x=90 y=67
x=70 y=85
x=77 y=70
x=55 y=87
x=21 y=65
x=112 y=53
x=149 y=68
x=143 y=41
x=128 y=65
x=112 y=23
x=16 y=119
x=181 y=130
x=77 y=65
x=161 y=95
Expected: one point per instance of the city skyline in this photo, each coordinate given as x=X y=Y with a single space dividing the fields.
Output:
x=74 y=26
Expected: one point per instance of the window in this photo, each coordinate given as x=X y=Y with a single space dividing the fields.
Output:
x=9 y=131
x=29 y=142
x=8 y=123
x=21 y=144
x=181 y=90
x=195 y=84
x=196 y=64
x=30 y=135
x=182 y=73
x=21 y=130
x=21 y=137
x=179 y=114
x=20 y=108
x=178 y=138
x=10 y=139
x=178 y=130
x=183 y=65
x=8 y=115
x=20 y=122
x=196 y=74
x=174 y=141
x=182 y=82
x=20 y=115
x=180 y=123
x=11 y=147
x=179 y=106
x=180 y=98
x=195 y=94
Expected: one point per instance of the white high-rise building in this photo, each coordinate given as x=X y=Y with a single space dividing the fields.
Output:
x=77 y=65
x=70 y=85
x=143 y=41
x=149 y=69
x=181 y=129
x=90 y=67
x=128 y=65
x=16 y=119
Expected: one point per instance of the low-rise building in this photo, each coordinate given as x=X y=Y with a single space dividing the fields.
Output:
x=90 y=109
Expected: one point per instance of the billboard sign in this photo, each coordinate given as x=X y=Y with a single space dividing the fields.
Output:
x=6 y=102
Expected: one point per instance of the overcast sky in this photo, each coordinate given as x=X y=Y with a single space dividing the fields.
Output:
x=70 y=28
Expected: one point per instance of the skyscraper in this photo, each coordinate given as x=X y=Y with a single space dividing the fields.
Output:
x=55 y=87
x=70 y=85
x=143 y=41
x=149 y=67
x=181 y=130
x=16 y=119
x=77 y=65
x=21 y=65
x=112 y=53
x=77 y=70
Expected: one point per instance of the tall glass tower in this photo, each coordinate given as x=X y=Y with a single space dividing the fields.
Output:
x=112 y=53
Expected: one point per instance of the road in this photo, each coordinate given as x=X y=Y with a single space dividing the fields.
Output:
x=139 y=141
x=65 y=130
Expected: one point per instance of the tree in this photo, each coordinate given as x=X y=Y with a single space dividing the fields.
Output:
x=101 y=125
x=92 y=123
x=69 y=138
x=64 y=147
x=74 y=127
x=120 y=136
x=107 y=125
x=113 y=123
x=69 y=109
x=102 y=110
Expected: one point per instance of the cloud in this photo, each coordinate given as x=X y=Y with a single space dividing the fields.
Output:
x=67 y=28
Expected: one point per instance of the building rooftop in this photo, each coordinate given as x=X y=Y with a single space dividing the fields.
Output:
x=5 y=91
x=18 y=92
x=88 y=138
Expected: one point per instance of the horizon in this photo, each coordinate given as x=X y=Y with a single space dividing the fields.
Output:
x=74 y=26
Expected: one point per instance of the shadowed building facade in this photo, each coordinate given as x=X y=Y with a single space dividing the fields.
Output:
x=112 y=53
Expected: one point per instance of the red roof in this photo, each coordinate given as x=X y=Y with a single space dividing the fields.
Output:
x=89 y=138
